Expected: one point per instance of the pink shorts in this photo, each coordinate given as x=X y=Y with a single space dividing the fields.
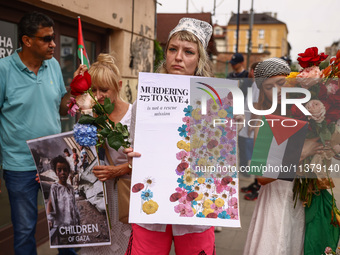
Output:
x=143 y=241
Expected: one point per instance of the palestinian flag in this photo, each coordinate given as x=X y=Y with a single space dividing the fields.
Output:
x=278 y=147
x=81 y=52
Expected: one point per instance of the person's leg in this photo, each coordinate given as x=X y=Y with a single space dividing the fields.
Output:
x=23 y=197
x=196 y=243
x=143 y=241
x=248 y=144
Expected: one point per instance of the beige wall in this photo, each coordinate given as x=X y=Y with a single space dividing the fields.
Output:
x=116 y=15
x=275 y=37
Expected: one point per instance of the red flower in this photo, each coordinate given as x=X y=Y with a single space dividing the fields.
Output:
x=80 y=84
x=334 y=99
x=322 y=92
x=296 y=113
x=332 y=113
x=311 y=57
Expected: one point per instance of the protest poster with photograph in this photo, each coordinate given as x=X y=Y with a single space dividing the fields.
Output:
x=187 y=173
x=73 y=196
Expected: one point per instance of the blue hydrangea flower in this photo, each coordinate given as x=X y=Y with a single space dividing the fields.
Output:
x=199 y=174
x=223 y=215
x=181 y=183
x=230 y=112
x=224 y=133
x=209 y=180
x=85 y=134
x=147 y=195
x=188 y=110
x=200 y=215
x=182 y=131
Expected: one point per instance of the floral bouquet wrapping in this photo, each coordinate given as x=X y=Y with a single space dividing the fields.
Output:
x=324 y=122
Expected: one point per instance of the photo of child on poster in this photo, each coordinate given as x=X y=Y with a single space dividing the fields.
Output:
x=73 y=196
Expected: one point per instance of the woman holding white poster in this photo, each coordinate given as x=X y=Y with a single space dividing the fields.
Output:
x=107 y=83
x=185 y=54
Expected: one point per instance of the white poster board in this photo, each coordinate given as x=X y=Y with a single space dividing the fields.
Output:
x=178 y=141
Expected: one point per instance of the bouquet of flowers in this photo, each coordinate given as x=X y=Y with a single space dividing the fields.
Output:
x=94 y=125
x=324 y=123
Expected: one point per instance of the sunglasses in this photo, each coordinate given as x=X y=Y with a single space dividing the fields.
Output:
x=47 y=38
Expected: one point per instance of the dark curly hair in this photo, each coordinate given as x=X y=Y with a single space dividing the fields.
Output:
x=59 y=159
x=31 y=22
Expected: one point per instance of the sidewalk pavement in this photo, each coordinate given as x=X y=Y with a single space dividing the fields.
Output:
x=229 y=240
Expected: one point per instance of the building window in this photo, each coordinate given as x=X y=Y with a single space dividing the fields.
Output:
x=234 y=48
x=218 y=31
x=247 y=34
x=261 y=34
x=260 y=48
x=235 y=34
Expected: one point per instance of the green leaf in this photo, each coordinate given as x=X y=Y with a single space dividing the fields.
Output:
x=108 y=106
x=331 y=127
x=126 y=131
x=325 y=135
x=119 y=127
x=98 y=109
x=105 y=132
x=86 y=119
x=101 y=120
x=115 y=140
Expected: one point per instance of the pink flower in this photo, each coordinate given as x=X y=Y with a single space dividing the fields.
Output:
x=216 y=209
x=184 y=210
x=72 y=107
x=233 y=202
x=332 y=88
x=227 y=101
x=181 y=191
x=186 y=120
x=317 y=109
x=85 y=103
x=228 y=147
x=231 y=134
x=231 y=159
x=328 y=250
x=231 y=190
x=233 y=213
x=219 y=187
x=182 y=155
x=183 y=200
x=309 y=77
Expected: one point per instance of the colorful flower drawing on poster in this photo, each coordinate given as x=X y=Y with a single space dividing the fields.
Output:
x=207 y=177
x=148 y=205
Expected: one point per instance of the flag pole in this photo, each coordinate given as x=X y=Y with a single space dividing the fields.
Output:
x=81 y=56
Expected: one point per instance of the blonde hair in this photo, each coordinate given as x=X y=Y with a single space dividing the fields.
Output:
x=204 y=64
x=105 y=73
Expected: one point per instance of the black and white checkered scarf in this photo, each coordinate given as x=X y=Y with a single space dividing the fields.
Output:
x=269 y=68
